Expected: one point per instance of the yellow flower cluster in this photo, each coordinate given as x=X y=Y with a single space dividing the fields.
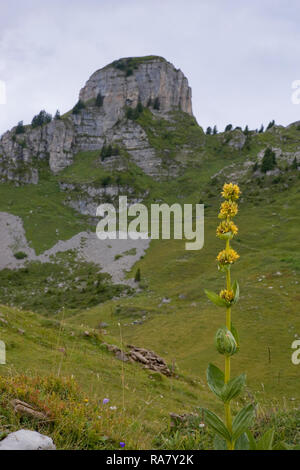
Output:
x=231 y=191
x=227 y=256
x=228 y=209
x=226 y=227
x=227 y=295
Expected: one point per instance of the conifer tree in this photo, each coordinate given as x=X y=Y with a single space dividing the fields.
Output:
x=269 y=161
x=156 y=104
x=20 y=129
x=99 y=100
x=271 y=124
x=295 y=164
x=41 y=119
x=138 y=276
x=78 y=107
x=139 y=107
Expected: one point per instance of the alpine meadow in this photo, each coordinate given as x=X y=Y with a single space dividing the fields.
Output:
x=140 y=343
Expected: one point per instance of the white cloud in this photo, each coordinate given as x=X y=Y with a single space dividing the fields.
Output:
x=240 y=57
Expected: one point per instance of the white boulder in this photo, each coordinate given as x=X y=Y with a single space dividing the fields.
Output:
x=27 y=440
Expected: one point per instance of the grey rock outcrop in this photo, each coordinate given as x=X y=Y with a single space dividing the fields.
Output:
x=27 y=440
x=149 y=359
x=237 y=139
x=151 y=80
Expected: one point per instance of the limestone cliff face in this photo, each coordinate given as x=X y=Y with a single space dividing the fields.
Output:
x=151 y=80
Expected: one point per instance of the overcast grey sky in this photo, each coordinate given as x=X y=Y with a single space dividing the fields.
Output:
x=240 y=56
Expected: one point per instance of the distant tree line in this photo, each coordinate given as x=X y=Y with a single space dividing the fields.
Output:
x=80 y=105
x=213 y=130
x=37 y=121
x=134 y=113
x=125 y=65
x=41 y=119
x=20 y=129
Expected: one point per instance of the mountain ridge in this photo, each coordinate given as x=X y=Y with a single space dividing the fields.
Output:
x=154 y=83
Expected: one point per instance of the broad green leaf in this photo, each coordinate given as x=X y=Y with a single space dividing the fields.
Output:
x=242 y=421
x=233 y=388
x=242 y=443
x=235 y=333
x=215 y=298
x=252 y=443
x=236 y=291
x=216 y=424
x=216 y=383
x=266 y=441
x=215 y=380
x=284 y=446
x=219 y=443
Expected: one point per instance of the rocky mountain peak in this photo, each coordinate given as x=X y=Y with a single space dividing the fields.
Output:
x=149 y=79
x=100 y=118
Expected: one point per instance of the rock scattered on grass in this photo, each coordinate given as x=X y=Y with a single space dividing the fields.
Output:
x=24 y=409
x=149 y=359
x=27 y=440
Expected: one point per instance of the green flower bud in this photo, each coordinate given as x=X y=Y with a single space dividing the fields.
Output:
x=225 y=342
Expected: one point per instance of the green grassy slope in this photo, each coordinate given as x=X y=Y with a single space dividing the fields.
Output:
x=46 y=219
x=181 y=331
x=266 y=315
x=39 y=347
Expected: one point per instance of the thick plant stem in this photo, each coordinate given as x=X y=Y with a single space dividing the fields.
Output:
x=228 y=416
